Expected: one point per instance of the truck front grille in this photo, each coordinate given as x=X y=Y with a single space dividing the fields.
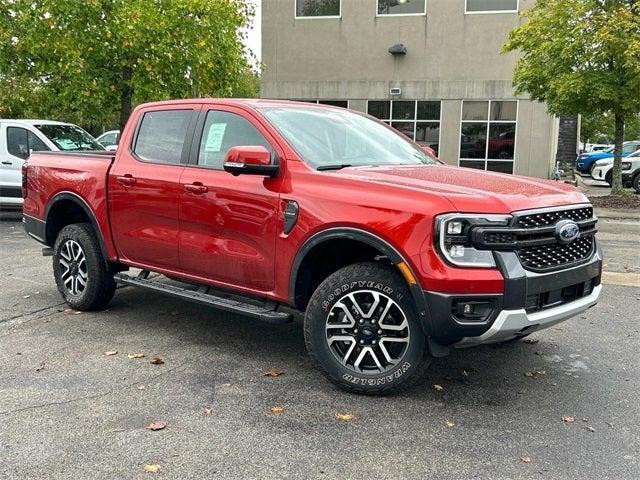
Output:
x=532 y=236
x=548 y=257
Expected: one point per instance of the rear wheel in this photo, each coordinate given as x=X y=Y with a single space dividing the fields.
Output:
x=80 y=270
x=362 y=330
x=636 y=183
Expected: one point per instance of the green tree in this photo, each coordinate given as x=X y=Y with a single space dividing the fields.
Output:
x=92 y=61
x=601 y=126
x=582 y=56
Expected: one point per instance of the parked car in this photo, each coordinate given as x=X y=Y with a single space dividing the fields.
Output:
x=585 y=161
x=594 y=147
x=19 y=137
x=603 y=170
x=275 y=209
x=109 y=140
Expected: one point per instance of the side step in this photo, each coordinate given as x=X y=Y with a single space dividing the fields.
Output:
x=201 y=295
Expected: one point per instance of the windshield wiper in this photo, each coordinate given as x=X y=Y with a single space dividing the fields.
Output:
x=337 y=166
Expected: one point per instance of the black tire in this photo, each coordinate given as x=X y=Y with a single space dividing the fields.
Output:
x=364 y=282
x=99 y=286
x=609 y=177
x=636 y=183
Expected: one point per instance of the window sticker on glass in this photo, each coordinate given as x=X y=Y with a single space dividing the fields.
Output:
x=214 y=137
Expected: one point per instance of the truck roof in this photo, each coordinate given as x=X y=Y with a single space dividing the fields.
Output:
x=247 y=102
x=33 y=122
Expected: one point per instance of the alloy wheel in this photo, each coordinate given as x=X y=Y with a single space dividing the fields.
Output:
x=74 y=267
x=367 y=332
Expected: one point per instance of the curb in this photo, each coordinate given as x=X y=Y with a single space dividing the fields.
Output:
x=613 y=214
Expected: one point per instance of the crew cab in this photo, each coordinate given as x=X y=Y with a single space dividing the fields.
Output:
x=19 y=137
x=280 y=210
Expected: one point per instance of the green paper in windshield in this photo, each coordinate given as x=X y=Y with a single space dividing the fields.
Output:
x=214 y=137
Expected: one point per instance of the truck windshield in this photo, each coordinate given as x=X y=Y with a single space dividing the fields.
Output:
x=69 y=137
x=328 y=139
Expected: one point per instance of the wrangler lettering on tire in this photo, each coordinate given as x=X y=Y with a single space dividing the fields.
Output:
x=362 y=330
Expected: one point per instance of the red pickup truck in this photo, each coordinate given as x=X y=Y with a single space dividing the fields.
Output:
x=276 y=209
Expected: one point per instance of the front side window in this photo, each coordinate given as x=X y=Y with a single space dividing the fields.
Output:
x=21 y=141
x=629 y=148
x=484 y=6
x=69 y=138
x=402 y=7
x=161 y=136
x=419 y=120
x=318 y=8
x=223 y=130
x=488 y=135
x=326 y=138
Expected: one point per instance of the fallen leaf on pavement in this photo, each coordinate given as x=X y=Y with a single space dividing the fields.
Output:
x=535 y=373
x=591 y=429
x=568 y=419
x=531 y=341
x=525 y=459
x=157 y=361
x=26 y=296
x=450 y=424
x=40 y=367
x=111 y=352
x=437 y=388
x=273 y=373
x=151 y=468
x=277 y=409
x=207 y=411
x=154 y=426
x=141 y=387
x=344 y=417
x=135 y=355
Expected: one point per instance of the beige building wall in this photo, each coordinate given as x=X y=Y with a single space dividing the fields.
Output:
x=451 y=56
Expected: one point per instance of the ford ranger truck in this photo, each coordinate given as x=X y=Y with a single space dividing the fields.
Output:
x=277 y=210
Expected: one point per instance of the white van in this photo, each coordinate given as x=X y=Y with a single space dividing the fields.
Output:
x=19 y=137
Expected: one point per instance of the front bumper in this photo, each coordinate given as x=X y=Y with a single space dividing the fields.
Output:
x=599 y=173
x=531 y=301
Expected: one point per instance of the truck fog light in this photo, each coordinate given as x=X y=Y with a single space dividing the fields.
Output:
x=454 y=228
x=473 y=309
x=457 y=251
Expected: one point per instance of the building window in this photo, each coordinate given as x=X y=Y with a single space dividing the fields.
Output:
x=419 y=120
x=491 y=6
x=402 y=7
x=318 y=8
x=488 y=135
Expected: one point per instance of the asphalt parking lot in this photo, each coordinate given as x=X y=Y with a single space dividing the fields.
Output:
x=68 y=410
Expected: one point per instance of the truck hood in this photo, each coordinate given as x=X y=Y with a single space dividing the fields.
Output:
x=470 y=190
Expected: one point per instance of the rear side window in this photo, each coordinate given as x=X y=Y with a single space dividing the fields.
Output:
x=223 y=130
x=161 y=136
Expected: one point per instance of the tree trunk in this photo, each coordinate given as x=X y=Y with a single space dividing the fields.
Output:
x=126 y=97
x=616 y=182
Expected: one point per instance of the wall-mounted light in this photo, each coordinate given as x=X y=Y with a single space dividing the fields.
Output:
x=398 y=49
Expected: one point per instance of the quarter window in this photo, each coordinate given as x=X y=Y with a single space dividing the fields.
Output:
x=223 y=130
x=396 y=7
x=488 y=135
x=484 y=6
x=161 y=136
x=318 y=8
x=419 y=120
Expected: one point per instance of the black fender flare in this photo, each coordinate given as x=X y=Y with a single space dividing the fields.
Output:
x=374 y=241
x=80 y=202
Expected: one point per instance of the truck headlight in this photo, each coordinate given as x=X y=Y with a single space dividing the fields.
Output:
x=453 y=238
x=625 y=166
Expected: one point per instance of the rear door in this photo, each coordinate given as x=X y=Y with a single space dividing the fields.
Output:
x=228 y=224
x=144 y=187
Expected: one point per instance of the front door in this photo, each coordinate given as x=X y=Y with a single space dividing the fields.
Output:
x=144 y=187
x=228 y=224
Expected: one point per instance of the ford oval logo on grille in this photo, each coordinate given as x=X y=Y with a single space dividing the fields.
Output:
x=567 y=231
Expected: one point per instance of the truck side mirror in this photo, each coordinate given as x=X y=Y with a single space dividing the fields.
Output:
x=250 y=160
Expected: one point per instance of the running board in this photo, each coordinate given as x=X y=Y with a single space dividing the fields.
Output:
x=202 y=296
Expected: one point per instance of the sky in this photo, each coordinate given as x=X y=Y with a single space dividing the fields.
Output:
x=253 y=34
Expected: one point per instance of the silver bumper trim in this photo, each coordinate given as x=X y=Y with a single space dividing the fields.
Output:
x=510 y=323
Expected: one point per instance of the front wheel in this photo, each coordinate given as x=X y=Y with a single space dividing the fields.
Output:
x=82 y=275
x=636 y=183
x=362 y=330
x=609 y=178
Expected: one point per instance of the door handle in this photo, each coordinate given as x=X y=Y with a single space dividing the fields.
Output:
x=126 y=180
x=197 y=188
x=7 y=163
